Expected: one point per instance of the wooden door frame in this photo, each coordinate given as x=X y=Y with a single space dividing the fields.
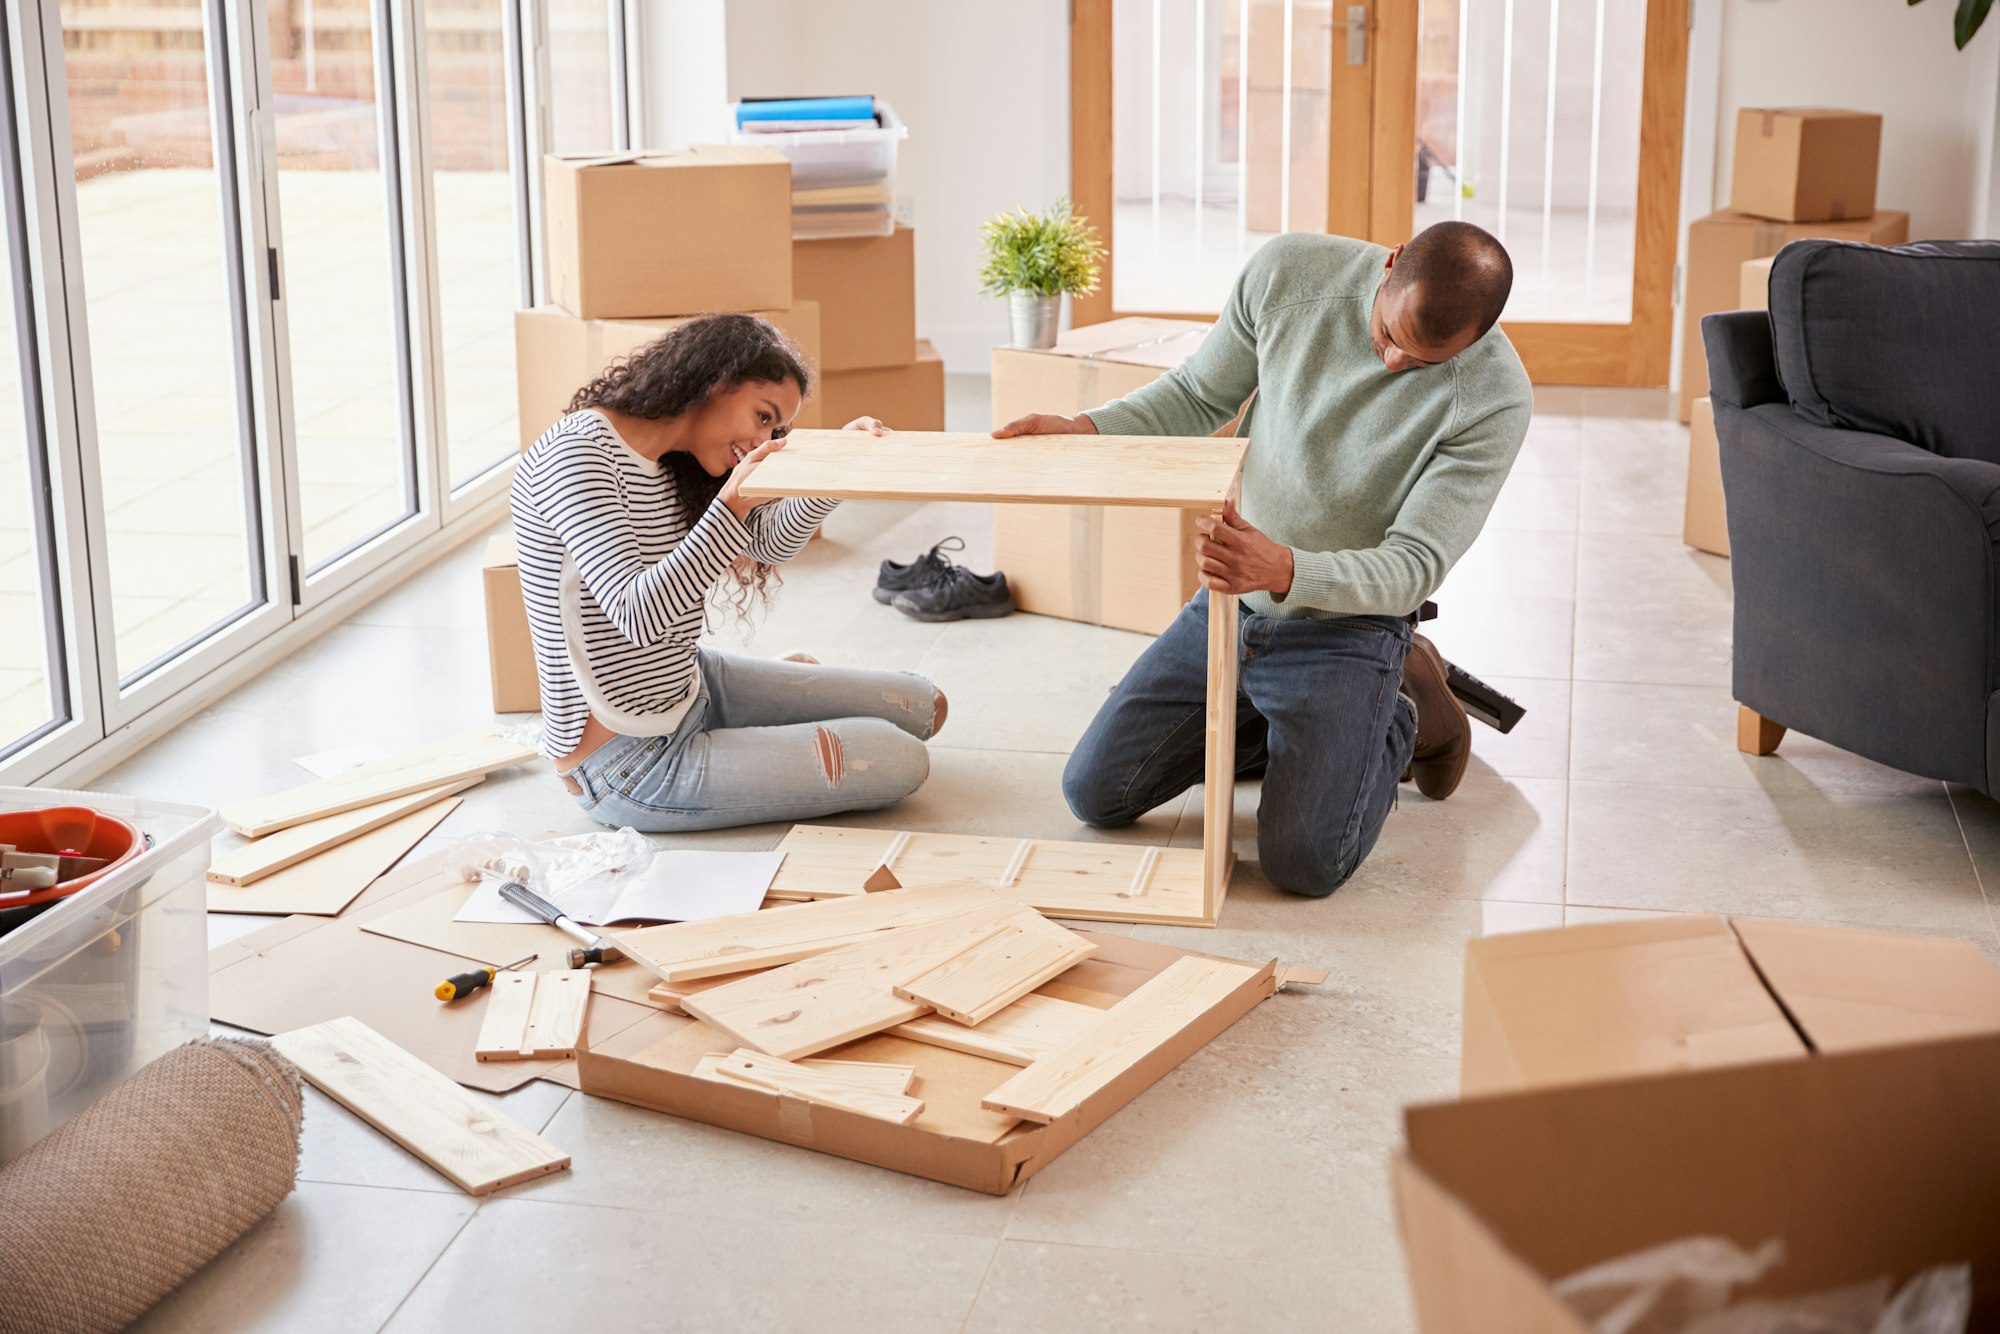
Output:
x=1374 y=111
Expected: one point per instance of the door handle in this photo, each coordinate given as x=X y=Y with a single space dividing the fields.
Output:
x=1357 y=34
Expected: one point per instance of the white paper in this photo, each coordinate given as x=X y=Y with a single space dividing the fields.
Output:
x=327 y=763
x=672 y=886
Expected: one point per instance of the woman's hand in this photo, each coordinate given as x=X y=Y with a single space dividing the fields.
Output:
x=1046 y=423
x=731 y=493
x=868 y=424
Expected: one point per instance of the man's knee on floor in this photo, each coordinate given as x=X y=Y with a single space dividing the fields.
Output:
x=1302 y=868
x=1093 y=799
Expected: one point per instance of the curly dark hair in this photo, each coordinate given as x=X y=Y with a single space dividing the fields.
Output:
x=678 y=372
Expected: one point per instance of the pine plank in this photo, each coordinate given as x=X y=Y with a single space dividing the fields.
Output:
x=869 y=1076
x=476 y=1148
x=324 y=884
x=973 y=986
x=816 y=1086
x=473 y=753
x=843 y=994
x=261 y=857
x=534 y=1016
x=1020 y=1034
x=1181 y=473
x=1119 y=1039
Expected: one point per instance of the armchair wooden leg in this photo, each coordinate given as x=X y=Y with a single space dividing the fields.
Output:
x=1756 y=734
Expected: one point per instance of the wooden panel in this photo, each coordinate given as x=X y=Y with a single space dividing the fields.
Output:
x=806 y=1007
x=1090 y=139
x=1218 y=815
x=288 y=847
x=534 y=1016
x=465 y=755
x=1122 y=1037
x=1392 y=51
x=1195 y=472
x=1020 y=1034
x=474 y=1146
x=971 y=987
x=872 y=1077
x=816 y=1086
x=325 y=884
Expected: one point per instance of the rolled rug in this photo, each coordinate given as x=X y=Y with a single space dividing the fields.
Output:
x=146 y=1185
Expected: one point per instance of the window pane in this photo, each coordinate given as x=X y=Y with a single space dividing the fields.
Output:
x=161 y=312
x=580 y=70
x=478 y=229
x=27 y=700
x=356 y=471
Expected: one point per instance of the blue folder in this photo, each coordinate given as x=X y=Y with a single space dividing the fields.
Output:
x=807 y=108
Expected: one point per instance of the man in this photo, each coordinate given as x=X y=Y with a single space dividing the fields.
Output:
x=1388 y=411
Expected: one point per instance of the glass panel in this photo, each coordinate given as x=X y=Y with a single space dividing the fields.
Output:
x=1528 y=124
x=162 y=308
x=342 y=296
x=478 y=229
x=580 y=72
x=1207 y=164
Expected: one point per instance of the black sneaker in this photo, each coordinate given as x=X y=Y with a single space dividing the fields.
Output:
x=894 y=578
x=956 y=594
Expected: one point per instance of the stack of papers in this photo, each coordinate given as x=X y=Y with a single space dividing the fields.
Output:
x=670 y=886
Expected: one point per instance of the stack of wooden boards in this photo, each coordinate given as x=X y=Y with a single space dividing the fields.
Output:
x=314 y=847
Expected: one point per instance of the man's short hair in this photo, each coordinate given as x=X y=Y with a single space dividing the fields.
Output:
x=1463 y=274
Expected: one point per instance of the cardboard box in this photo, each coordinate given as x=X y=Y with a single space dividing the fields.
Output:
x=1806 y=164
x=1263 y=179
x=679 y=232
x=557 y=353
x=1704 y=524
x=1753 y=287
x=1719 y=244
x=866 y=287
x=510 y=651
x=907 y=398
x=1128 y=567
x=953 y=1140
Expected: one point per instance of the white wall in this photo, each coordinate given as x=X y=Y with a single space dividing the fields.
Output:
x=686 y=85
x=984 y=89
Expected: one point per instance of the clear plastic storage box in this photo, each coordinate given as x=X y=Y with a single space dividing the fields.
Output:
x=843 y=181
x=109 y=978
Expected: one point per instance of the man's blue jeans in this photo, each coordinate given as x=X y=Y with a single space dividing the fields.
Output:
x=1317 y=712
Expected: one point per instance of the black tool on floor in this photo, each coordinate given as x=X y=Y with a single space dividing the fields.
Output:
x=1499 y=712
x=466 y=983
x=596 y=948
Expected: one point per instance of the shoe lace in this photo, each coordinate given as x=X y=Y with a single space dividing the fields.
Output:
x=934 y=567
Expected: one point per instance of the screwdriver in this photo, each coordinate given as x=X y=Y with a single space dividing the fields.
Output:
x=467 y=983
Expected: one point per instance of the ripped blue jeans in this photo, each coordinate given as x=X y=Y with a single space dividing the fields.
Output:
x=768 y=741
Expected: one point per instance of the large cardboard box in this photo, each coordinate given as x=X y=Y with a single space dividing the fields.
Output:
x=1719 y=244
x=1632 y=1084
x=1704 y=523
x=510 y=651
x=866 y=287
x=556 y=353
x=677 y=232
x=1753 y=288
x=1806 y=164
x=906 y=398
x=1128 y=567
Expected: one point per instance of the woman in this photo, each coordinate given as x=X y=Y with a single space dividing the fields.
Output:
x=627 y=512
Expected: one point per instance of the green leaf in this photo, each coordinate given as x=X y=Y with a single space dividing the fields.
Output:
x=1971 y=13
x=1049 y=253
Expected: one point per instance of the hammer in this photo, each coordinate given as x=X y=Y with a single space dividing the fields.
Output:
x=596 y=949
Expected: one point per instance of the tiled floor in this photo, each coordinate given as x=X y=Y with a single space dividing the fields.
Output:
x=1248 y=1188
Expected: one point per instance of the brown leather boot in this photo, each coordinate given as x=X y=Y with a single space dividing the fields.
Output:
x=1444 y=735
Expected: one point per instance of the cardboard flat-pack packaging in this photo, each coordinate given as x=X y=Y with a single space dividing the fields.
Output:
x=1753 y=287
x=1717 y=247
x=510 y=653
x=557 y=353
x=954 y=1139
x=1632 y=1084
x=866 y=287
x=1704 y=521
x=906 y=398
x=674 y=232
x=1128 y=567
x=1806 y=164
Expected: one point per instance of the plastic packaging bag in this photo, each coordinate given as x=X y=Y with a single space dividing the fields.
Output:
x=553 y=866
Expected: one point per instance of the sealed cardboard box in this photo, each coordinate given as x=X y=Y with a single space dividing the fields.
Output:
x=1128 y=567
x=866 y=287
x=1753 y=288
x=1717 y=247
x=1704 y=524
x=906 y=398
x=557 y=353
x=668 y=233
x=1806 y=164
x=510 y=652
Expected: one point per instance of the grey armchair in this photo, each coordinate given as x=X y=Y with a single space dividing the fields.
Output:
x=1859 y=426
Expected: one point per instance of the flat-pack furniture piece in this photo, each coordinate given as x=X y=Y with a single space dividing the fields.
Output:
x=1197 y=474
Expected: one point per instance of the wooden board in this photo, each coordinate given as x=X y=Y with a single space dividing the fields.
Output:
x=1120 y=1038
x=843 y=994
x=1019 y=1034
x=470 y=754
x=1183 y=473
x=1218 y=788
x=533 y=1016
x=475 y=1147
x=324 y=884
x=1099 y=882
x=872 y=1077
x=973 y=986
x=816 y=1086
x=261 y=857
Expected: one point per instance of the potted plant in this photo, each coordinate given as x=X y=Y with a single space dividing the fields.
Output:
x=1032 y=259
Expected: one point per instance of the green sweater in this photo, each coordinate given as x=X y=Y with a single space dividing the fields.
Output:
x=1378 y=481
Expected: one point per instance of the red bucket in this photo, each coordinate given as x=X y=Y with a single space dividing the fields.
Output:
x=68 y=831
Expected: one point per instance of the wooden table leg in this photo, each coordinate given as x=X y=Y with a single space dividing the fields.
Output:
x=1756 y=734
x=1219 y=774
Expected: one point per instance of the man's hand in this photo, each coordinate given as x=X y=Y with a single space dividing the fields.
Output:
x=1236 y=558
x=1046 y=423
